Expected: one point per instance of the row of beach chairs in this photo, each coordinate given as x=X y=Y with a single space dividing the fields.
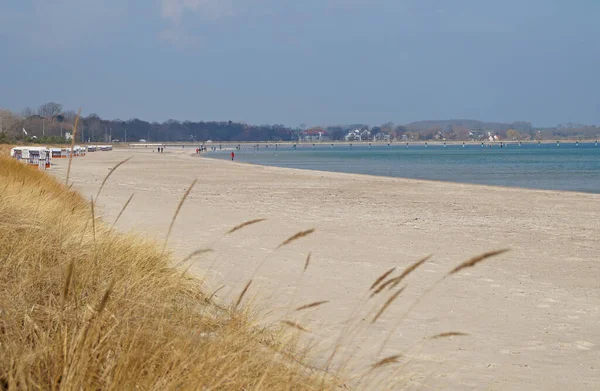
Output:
x=41 y=157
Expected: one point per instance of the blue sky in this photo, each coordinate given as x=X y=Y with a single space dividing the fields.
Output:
x=310 y=61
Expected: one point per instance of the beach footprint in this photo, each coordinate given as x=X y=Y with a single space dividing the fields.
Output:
x=535 y=345
x=584 y=345
x=518 y=292
x=547 y=303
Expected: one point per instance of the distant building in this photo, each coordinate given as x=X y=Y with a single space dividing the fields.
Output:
x=358 y=135
x=384 y=137
x=315 y=135
x=365 y=135
x=476 y=134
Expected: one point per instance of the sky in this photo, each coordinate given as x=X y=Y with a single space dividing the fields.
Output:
x=313 y=62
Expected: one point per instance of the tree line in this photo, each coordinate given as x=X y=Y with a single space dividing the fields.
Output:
x=51 y=123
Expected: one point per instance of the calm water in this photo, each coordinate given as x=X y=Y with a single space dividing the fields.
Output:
x=545 y=166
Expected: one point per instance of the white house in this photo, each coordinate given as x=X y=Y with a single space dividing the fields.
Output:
x=315 y=135
x=353 y=135
x=383 y=137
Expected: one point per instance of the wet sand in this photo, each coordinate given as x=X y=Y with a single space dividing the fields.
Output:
x=531 y=315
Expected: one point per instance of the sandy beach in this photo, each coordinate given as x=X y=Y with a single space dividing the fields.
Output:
x=531 y=314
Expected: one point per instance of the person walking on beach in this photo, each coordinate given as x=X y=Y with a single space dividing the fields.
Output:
x=232 y=155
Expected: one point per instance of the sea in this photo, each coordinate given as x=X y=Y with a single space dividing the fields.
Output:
x=552 y=166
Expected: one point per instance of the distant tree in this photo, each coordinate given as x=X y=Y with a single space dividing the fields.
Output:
x=513 y=134
x=399 y=131
x=336 y=132
x=387 y=127
x=27 y=112
x=50 y=109
x=460 y=132
x=93 y=126
x=9 y=125
x=432 y=132
x=413 y=135
x=69 y=115
x=521 y=126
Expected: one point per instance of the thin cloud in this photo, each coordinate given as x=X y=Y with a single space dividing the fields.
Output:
x=181 y=17
x=174 y=10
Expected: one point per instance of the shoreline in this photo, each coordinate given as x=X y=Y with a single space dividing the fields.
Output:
x=536 y=307
x=414 y=180
x=133 y=144
x=211 y=155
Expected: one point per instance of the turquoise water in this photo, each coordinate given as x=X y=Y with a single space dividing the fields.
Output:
x=570 y=166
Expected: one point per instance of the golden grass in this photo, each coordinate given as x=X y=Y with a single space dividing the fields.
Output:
x=295 y=237
x=387 y=360
x=245 y=224
x=242 y=294
x=381 y=278
x=387 y=303
x=72 y=146
x=475 y=260
x=5 y=149
x=185 y=196
x=409 y=270
x=307 y=261
x=312 y=305
x=123 y=209
x=295 y=325
x=393 y=282
x=112 y=170
x=89 y=308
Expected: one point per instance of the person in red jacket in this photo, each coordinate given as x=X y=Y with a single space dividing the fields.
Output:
x=232 y=155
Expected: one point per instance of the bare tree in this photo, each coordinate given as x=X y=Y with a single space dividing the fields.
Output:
x=50 y=109
x=69 y=115
x=27 y=112
x=93 y=124
x=10 y=123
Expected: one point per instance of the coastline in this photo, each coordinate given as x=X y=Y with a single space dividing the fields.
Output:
x=233 y=144
x=535 y=308
x=414 y=180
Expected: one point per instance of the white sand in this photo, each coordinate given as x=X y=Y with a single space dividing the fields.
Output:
x=532 y=315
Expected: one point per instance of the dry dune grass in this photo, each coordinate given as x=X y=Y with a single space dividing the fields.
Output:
x=5 y=149
x=84 y=307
